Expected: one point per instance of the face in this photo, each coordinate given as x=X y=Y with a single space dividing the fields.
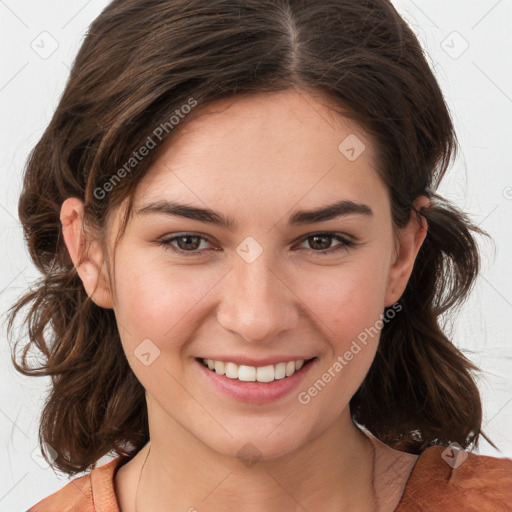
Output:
x=272 y=286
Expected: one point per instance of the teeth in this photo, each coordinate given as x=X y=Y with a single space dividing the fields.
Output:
x=290 y=368
x=219 y=367
x=231 y=370
x=245 y=373
x=265 y=373
x=280 y=371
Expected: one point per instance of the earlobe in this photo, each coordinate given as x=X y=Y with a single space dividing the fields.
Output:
x=87 y=255
x=411 y=238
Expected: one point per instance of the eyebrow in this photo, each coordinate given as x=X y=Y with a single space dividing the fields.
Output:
x=332 y=211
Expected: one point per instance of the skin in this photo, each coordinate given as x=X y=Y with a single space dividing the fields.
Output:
x=257 y=159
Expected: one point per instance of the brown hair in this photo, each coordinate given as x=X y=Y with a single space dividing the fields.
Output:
x=140 y=63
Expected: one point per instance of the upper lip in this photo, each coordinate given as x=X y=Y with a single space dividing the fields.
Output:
x=250 y=361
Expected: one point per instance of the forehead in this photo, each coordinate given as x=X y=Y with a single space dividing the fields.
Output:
x=274 y=148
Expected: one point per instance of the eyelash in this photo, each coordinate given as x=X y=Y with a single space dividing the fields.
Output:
x=345 y=245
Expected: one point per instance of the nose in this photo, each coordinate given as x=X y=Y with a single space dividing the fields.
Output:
x=257 y=302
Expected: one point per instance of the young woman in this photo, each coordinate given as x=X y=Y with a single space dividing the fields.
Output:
x=244 y=265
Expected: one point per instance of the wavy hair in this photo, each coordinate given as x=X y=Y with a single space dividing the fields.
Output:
x=140 y=63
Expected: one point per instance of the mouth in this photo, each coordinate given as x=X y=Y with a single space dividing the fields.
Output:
x=246 y=373
x=253 y=384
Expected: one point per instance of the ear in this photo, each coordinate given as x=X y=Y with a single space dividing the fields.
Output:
x=87 y=255
x=410 y=239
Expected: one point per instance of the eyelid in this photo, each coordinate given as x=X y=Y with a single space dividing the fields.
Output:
x=167 y=240
x=347 y=242
x=345 y=236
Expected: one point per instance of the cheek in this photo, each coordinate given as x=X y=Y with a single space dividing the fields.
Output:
x=347 y=302
x=160 y=303
x=347 y=298
x=156 y=300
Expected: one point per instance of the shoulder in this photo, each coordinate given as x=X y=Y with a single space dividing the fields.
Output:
x=88 y=493
x=445 y=478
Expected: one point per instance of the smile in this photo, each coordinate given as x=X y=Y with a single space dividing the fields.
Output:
x=261 y=384
x=245 y=373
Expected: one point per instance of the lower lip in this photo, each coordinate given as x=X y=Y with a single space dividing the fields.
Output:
x=255 y=392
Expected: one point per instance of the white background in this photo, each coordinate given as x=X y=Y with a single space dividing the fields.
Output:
x=477 y=82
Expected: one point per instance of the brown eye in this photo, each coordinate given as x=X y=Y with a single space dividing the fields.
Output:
x=185 y=243
x=321 y=243
x=188 y=242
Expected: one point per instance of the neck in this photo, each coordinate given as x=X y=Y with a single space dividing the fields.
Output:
x=335 y=471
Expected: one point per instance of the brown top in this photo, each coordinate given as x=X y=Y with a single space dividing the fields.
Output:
x=479 y=484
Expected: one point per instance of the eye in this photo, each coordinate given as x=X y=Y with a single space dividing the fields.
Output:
x=186 y=243
x=189 y=244
x=321 y=243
